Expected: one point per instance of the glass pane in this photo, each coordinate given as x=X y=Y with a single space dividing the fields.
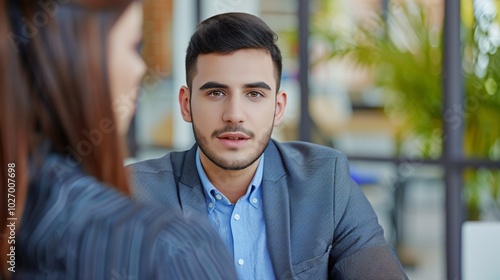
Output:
x=408 y=200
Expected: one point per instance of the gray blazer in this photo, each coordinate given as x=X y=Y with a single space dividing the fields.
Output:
x=319 y=223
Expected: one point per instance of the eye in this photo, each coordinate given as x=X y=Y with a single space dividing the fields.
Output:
x=215 y=93
x=255 y=94
x=139 y=46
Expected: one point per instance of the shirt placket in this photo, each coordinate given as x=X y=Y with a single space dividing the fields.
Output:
x=239 y=229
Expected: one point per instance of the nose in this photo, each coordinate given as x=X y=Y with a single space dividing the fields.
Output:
x=141 y=67
x=234 y=109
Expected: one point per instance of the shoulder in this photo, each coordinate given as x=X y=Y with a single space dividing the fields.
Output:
x=157 y=180
x=306 y=153
x=171 y=162
x=307 y=164
x=311 y=168
x=155 y=165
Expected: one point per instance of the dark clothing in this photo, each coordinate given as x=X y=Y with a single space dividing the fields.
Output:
x=75 y=227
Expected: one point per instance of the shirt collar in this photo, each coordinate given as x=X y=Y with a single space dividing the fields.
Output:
x=213 y=196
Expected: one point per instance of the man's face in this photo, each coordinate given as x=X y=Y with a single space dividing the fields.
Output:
x=233 y=106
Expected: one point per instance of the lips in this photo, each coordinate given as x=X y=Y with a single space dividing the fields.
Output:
x=233 y=140
x=233 y=136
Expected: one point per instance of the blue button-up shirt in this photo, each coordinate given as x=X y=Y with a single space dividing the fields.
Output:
x=241 y=225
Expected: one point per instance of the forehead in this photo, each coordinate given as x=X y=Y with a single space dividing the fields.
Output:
x=236 y=68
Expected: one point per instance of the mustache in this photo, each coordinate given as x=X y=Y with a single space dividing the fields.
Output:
x=233 y=128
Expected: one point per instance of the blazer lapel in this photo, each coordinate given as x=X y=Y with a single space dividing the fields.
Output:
x=191 y=196
x=277 y=213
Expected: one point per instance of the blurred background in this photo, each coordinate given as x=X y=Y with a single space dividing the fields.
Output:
x=364 y=77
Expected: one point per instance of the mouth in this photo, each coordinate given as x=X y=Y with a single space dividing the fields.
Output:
x=233 y=140
x=233 y=136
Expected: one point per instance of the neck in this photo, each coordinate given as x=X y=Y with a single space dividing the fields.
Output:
x=233 y=184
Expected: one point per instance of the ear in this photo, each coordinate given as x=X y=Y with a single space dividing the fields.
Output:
x=184 y=102
x=280 y=107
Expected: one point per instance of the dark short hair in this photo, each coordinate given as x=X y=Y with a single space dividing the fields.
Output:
x=229 y=32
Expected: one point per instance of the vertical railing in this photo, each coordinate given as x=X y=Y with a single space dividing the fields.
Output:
x=198 y=11
x=305 y=125
x=453 y=128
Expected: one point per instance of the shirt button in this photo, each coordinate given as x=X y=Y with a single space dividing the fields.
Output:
x=218 y=196
x=210 y=205
x=241 y=262
x=255 y=200
x=237 y=217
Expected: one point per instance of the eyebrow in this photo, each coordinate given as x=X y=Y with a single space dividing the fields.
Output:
x=258 y=85
x=209 y=85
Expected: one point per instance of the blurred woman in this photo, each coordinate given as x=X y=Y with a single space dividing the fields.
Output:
x=70 y=74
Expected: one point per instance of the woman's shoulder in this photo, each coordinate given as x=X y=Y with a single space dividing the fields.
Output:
x=99 y=228
x=84 y=199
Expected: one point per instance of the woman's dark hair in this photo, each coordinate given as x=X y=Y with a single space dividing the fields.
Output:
x=229 y=32
x=54 y=89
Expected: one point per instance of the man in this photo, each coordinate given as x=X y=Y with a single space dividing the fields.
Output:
x=284 y=210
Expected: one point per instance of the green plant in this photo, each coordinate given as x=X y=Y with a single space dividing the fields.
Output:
x=404 y=51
